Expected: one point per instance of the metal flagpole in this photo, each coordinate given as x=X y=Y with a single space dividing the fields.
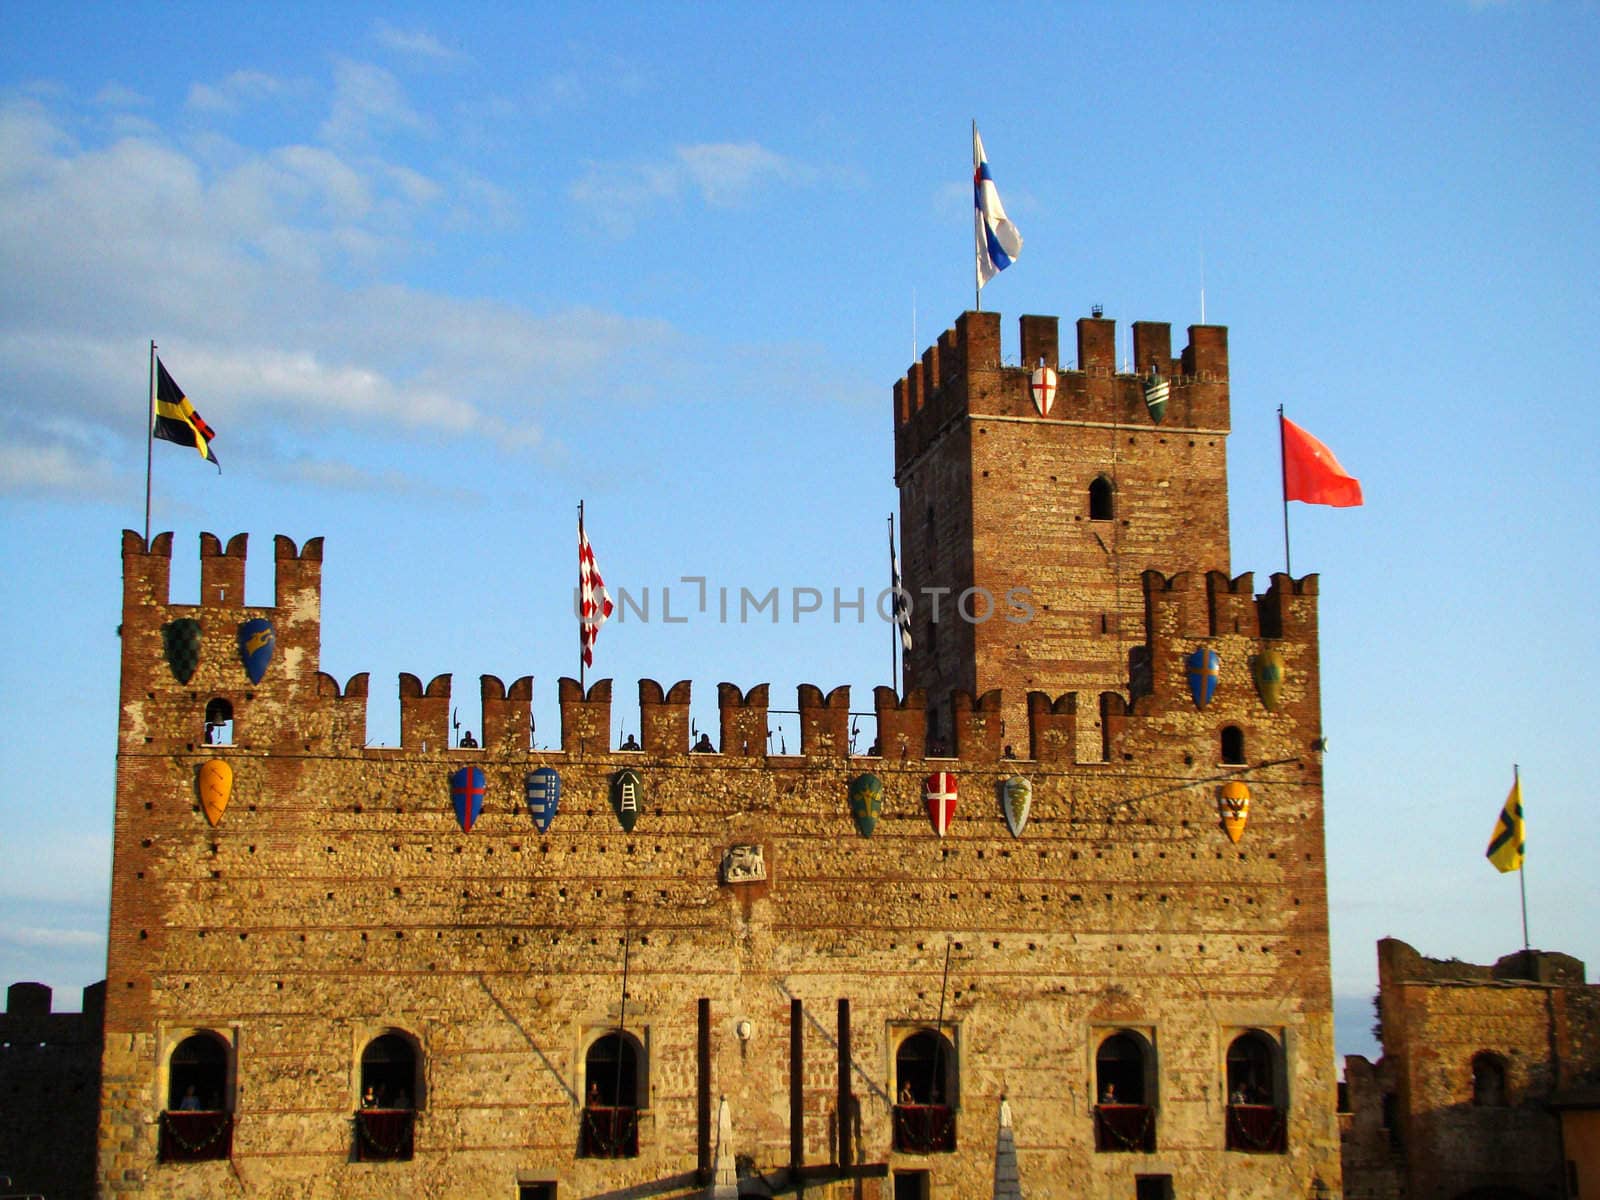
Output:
x=1283 y=466
x=149 y=441
x=1522 y=868
x=581 y=600
x=894 y=610
x=977 y=276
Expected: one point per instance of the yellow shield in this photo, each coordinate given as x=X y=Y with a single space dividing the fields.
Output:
x=216 y=783
x=1267 y=669
x=1234 y=808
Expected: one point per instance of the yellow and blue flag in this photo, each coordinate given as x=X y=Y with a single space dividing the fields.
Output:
x=176 y=419
x=1508 y=842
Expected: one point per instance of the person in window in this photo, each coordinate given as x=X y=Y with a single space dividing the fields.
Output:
x=594 y=1095
x=369 y=1098
x=631 y=744
x=905 y=1093
x=1108 y=1094
x=468 y=741
x=190 y=1101
x=703 y=746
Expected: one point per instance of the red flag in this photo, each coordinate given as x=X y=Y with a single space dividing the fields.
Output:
x=594 y=602
x=1312 y=474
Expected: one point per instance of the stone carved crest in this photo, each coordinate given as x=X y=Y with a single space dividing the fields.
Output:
x=743 y=863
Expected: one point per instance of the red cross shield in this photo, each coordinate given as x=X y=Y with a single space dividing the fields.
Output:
x=939 y=791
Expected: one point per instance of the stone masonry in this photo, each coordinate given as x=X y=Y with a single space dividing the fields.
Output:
x=338 y=899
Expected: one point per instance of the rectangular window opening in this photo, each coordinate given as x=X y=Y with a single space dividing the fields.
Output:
x=911 y=1185
x=1152 y=1187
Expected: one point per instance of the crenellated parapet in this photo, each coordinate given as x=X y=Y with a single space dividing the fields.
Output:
x=962 y=375
x=824 y=722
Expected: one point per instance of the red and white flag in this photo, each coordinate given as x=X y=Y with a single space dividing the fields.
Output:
x=594 y=602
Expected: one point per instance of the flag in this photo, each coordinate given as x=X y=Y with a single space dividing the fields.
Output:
x=594 y=602
x=999 y=243
x=1311 y=473
x=176 y=419
x=902 y=602
x=1509 y=839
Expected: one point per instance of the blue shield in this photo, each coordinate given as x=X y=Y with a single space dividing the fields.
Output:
x=466 y=793
x=256 y=640
x=1203 y=668
x=543 y=789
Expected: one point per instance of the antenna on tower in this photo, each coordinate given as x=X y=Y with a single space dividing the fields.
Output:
x=1202 y=279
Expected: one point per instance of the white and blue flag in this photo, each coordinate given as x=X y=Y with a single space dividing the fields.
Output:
x=999 y=243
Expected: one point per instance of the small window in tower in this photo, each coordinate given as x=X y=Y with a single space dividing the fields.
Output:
x=1488 y=1081
x=1102 y=506
x=219 y=722
x=1233 y=745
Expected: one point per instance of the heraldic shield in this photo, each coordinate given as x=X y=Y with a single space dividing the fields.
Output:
x=181 y=639
x=939 y=793
x=215 y=781
x=466 y=793
x=627 y=795
x=1016 y=798
x=1203 y=668
x=543 y=789
x=1234 y=808
x=1266 y=669
x=866 y=803
x=256 y=640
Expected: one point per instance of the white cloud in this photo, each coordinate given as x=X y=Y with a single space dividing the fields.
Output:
x=264 y=278
x=237 y=90
x=55 y=939
x=416 y=43
x=721 y=174
x=368 y=101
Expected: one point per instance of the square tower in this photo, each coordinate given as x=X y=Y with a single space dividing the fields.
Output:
x=1025 y=530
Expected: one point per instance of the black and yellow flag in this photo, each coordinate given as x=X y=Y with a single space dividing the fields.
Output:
x=1507 y=844
x=176 y=419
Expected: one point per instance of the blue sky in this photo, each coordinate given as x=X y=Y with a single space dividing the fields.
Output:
x=434 y=273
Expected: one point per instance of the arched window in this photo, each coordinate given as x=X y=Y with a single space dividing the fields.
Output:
x=926 y=1086
x=1102 y=501
x=197 y=1075
x=1124 y=1084
x=1119 y=1069
x=925 y=1070
x=219 y=722
x=389 y=1075
x=1252 y=1074
x=197 y=1124
x=1233 y=745
x=1488 y=1080
x=614 y=1085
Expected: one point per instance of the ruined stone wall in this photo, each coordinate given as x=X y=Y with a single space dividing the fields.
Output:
x=49 y=1092
x=338 y=898
x=1532 y=1013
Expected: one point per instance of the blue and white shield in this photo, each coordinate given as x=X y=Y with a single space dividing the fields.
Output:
x=256 y=640
x=543 y=789
x=1203 y=668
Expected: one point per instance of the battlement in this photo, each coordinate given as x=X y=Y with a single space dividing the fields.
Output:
x=961 y=375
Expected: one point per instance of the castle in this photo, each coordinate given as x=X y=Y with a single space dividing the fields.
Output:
x=655 y=972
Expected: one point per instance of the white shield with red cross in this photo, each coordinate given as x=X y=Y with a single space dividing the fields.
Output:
x=1042 y=386
x=940 y=793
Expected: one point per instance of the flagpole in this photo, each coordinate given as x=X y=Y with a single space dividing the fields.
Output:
x=894 y=624
x=581 y=604
x=1283 y=470
x=1522 y=869
x=149 y=441
x=977 y=276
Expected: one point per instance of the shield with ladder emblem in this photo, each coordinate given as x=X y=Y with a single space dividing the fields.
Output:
x=1016 y=797
x=627 y=795
x=466 y=794
x=939 y=791
x=543 y=790
x=1042 y=387
x=1203 y=668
